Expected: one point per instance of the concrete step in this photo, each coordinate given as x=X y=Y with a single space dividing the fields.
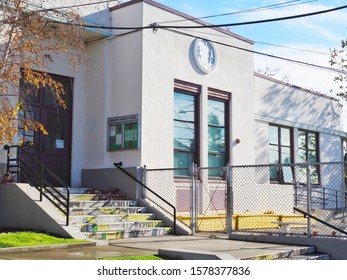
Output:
x=102 y=203
x=97 y=197
x=106 y=210
x=83 y=219
x=313 y=256
x=290 y=253
x=136 y=225
x=121 y=234
x=106 y=214
x=83 y=190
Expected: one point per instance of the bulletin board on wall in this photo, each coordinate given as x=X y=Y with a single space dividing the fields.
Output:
x=123 y=133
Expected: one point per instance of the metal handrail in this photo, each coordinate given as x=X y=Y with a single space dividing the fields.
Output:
x=319 y=220
x=35 y=179
x=339 y=195
x=119 y=166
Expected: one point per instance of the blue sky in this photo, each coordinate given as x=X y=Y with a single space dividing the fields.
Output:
x=318 y=33
x=322 y=30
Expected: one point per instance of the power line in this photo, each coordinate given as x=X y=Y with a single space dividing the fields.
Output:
x=170 y=28
x=292 y=48
x=330 y=69
x=257 y=21
x=250 y=10
x=262 y=43
x=156 y=26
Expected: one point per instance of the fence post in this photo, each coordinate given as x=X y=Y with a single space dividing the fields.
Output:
x=308 y=174
x=18 y=164
x=229 y=202
x=296 y=186
x=144 y=181
x=193 y=200
x=8 y=159
x=42 y=174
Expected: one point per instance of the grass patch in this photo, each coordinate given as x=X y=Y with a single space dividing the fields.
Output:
x=137 y=258
x=20 y=239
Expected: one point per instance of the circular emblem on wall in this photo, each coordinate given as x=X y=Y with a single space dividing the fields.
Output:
x=205 y=55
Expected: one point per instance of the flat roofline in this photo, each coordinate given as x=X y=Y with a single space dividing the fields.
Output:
x=186 y=16
x=299 y=125
x=297 y=87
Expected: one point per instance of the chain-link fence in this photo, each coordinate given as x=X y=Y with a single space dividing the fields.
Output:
x=297 y=199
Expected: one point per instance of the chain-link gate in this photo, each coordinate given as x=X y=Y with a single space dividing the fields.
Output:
x=296 y=199
x=198 y=193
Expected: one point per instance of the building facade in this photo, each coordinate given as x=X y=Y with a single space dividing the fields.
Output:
x=169 y=98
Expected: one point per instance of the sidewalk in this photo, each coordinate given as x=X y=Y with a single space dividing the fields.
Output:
x=198 y=247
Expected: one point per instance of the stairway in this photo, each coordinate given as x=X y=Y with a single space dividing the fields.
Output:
x=107 y=214
x=292 y=253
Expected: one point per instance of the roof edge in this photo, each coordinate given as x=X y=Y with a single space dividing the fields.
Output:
x=186 y=16
x=297 y=87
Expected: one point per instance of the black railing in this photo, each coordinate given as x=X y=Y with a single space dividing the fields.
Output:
x=319 y=220
x=321 y=198
x=119 y=166
x=35 y=175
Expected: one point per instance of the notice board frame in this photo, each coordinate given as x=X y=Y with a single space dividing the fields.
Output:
x=123 y=133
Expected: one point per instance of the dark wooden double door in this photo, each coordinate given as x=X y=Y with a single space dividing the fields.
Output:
x=53 y=149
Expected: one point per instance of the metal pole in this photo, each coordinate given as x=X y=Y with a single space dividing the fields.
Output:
x=192 y=202
x=41 y=183
x=296 y=186
x=308 y=173
x=144 y=181
x=68 y=206
x=18 y=164
x=7 y=147
x=229 y=198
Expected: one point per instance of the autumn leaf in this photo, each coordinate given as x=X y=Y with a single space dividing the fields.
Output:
x=31 y=39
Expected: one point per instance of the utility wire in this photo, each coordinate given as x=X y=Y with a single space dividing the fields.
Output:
x=261 y=43
x=156 y=26
x=292 y=48
x=250 y=10
x=257 y=21
x=330 y=69
x=170 y=28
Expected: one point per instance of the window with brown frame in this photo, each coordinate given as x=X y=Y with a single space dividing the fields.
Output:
x=186 y=124
x=218 y=128
x=308 y=153
x=280 y=153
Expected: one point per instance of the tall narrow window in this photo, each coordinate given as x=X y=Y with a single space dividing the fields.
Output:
x=280 y=153
x=185 y=125
x=308 y=153
x=216 y=133
x=218 y=128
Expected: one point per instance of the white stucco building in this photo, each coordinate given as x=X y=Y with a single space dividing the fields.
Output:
x=167 y=98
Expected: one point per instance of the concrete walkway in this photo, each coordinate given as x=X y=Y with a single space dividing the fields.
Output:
x=197 y=247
